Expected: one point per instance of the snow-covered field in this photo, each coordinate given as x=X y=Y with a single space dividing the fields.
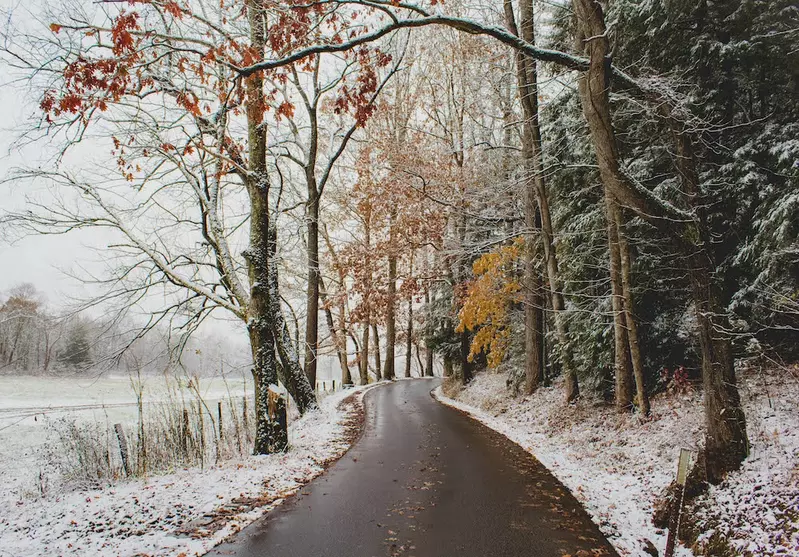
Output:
x=30 y=406
x=617 y=466
x=182 y=513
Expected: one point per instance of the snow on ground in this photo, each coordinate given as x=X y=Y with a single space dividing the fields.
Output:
x=617 y=465
x=142 y=517
x=756 y=510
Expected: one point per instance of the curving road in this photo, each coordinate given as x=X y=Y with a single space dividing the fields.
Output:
x=425 y=480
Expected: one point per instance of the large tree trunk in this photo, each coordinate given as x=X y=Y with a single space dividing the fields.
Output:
x=636 y=360
x=269 y=435
x=527 y=80
x=621 y=354
x=428 y=352
x=726 y=442
x=391 y=310
x=465 y=365
x=409 y=330
x=341 y=348
x=533 y=319
x=448 y=367
x=312 y=290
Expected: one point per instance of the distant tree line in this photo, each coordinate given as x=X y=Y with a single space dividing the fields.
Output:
x=36 y=338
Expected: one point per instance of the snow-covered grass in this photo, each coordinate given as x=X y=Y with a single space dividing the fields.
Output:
x=183 y=513
x=35 y=412
x=619 y=465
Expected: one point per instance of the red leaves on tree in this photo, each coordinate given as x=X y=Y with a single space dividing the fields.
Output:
x=189 y=101
x=93 y=83
x=357 y=98
x=285 y=109
x=121 y=36
x=173 y=9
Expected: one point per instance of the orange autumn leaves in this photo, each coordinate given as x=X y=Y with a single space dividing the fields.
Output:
x=488 y=300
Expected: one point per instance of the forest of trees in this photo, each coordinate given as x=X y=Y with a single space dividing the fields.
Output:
x=582 y=193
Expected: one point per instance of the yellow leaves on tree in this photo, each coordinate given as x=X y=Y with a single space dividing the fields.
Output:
x=489 y=297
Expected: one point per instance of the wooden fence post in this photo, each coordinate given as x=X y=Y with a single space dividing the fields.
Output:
x=683 y=470
x=219 y=411
x=123 y=448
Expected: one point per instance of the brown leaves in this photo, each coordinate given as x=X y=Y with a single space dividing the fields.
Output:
x=285 y=109
x=121 y=36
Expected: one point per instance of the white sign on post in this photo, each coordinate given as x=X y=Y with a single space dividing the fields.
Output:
x=687 y=459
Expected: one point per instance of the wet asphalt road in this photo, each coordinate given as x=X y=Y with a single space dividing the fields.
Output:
x=425 y=480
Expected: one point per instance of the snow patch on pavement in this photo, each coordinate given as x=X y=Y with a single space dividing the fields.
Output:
x=141 y=517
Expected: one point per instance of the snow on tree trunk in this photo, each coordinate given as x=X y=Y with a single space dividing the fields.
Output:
x=259 y=323
x=292 y=375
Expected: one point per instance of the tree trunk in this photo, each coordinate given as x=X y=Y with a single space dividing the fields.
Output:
x=391 y=332
x=363 y=361
x=533 y=319
x=341 y=348
x=536 y=196
x=448 y=367
x=337 y=335
x=466 y=366
x=312 y=290
x=642 y=399
x=268 y=436
x=290 y=371
x=428 y=352
x=621 y=353
x=726 y=442
x=376 y=336
x=391 y=318
x=409 y=340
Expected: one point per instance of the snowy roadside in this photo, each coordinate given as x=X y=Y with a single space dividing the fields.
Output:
x=617 y=466
x=186 y=512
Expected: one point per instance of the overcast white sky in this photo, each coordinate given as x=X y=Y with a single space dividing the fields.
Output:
x=36 y=260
